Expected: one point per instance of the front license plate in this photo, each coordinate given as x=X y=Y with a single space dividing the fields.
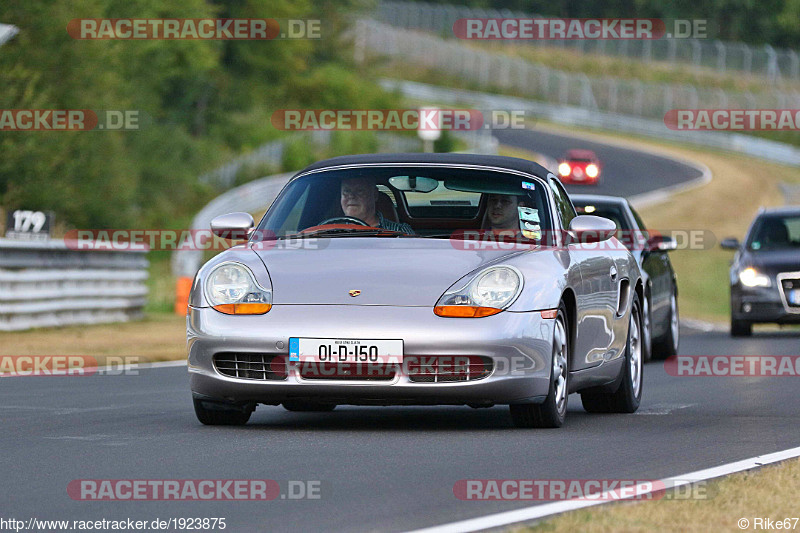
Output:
x=307 y=350
x=794 y=297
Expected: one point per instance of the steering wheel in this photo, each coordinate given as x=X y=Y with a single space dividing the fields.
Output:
x=343 y=220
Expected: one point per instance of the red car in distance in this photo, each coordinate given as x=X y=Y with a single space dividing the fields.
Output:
x=580 y=166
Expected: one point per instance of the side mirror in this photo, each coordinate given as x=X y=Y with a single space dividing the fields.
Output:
x=589 y=228
x=661 y=243
x=233 y=226
x=730 y=243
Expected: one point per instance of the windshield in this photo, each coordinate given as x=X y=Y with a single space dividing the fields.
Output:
x=626 y=234
x=775 y=232
x=396 y=201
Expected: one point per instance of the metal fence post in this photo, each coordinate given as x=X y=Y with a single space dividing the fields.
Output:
x=721 y=56
x=794 y=65
x=697 y=52
x=772 y=63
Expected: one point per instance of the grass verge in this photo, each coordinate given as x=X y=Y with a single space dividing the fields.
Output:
x=766 y=493
x=158 y=337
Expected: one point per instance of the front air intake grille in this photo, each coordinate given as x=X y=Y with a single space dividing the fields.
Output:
x=258 y=366
x=448 y=369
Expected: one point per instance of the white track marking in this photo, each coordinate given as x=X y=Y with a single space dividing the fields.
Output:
x=549 y=509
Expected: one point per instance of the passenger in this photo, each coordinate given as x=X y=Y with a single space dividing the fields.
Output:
x=507 y=214
x=502 y=212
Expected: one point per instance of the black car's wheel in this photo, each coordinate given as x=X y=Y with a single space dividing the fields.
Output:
x=741 y=328
x=550 y=413
x=628 y=395
x=220 y=414
x=667 y=346
x=308 y=407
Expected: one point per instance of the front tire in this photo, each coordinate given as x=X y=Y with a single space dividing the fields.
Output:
x=667 y=346
x=628 y=395
x=552 y=412
x=741 y=328
x=213 y=413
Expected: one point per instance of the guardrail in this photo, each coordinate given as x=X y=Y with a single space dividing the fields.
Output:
x=46 y=284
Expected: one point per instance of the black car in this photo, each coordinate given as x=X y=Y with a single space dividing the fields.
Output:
x=660 y=309
x=765 y=273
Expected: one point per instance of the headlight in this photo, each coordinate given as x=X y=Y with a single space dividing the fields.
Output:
x=231 y=288
x=750 y=277
x=485 y=294
x=564 y=169
x=592 y=171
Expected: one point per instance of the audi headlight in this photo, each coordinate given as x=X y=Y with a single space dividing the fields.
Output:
x=592 y=171
x=487 y=293
x=564 y=169
x=232 y=289
x=750 y=277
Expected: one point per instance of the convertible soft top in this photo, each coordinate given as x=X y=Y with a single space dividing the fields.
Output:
x=510 y=163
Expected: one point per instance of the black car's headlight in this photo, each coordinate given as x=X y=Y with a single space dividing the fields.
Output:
x=231 y=288
x=750 y=277
x=487 y=293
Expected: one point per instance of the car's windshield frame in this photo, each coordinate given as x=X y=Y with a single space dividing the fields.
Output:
x=262 y=233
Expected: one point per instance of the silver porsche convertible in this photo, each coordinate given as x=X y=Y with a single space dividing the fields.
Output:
x=417 y=279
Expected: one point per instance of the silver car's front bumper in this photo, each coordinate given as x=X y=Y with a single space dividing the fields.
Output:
x=519 y=344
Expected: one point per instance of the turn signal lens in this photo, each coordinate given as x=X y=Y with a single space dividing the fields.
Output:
x=464 y=311
x=243 y=309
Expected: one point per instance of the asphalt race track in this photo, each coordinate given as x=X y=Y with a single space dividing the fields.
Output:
x=382 y=468
x=625 y=172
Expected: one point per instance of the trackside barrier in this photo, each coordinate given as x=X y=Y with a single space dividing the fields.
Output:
x=46 y=284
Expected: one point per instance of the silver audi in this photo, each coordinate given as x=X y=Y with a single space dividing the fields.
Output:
x=417 y=279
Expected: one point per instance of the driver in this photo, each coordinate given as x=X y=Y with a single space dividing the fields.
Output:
x=359 y=200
